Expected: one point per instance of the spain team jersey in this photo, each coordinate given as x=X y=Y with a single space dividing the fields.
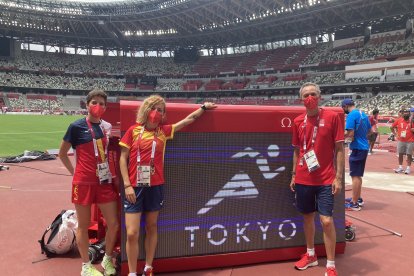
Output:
x=130 y=141
x=80 y=137
x=330 y=131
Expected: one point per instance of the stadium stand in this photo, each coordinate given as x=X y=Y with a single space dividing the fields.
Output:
x=251 y=75
x=59 y=82
x=169 y=86
x=71 y=103
x=81 y=72
x=16 y=101
x=95 y=65
x=213 y=85
x=192 y=85
x=387 y=103
x=2 y=102
x=42 y=103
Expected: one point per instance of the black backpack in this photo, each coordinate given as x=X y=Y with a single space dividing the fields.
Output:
x=54 y=230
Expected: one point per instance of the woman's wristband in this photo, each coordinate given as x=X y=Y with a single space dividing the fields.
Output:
x=127 y=186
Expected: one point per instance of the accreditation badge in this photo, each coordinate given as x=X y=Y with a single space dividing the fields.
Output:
x=143 y=176
x=104 y=173
x=403 y=134
x=311 y=161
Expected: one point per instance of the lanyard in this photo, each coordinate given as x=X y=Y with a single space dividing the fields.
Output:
x=154 y=144
x=315 y=132
x=406 y=126
x=95 y=146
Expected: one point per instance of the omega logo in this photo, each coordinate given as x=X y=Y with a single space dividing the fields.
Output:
x=286 y=122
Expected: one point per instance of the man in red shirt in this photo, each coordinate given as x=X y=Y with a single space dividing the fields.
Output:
x=403 y=128
x=318 y=138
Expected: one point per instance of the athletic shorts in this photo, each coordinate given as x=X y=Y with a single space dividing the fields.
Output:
x=405 y=147
x=310 y=198
x=372 y=137
x=357 y=161
x=149 y=199
x=87 y=194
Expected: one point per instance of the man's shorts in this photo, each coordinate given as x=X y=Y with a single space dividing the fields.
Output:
x=85 y=194
x=310 y=198
x=357 y=161
x=405 y=147
x=149 y=199
x=372 y=137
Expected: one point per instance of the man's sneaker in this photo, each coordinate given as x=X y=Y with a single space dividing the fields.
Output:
x=360 y=201
x=108 y=266
x=90 y=270
x=399 y=170
x=350 y=206
x=331 y=271
x=407 y=171
x=306 y=261
x=148 y=272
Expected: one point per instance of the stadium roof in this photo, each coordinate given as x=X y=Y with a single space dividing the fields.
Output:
x=170 y=24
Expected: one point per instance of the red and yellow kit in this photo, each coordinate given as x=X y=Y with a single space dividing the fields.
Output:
x=130 y=141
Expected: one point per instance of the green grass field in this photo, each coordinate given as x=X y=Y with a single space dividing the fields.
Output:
x=32 y=132
x=384 y=130
x=35 y=132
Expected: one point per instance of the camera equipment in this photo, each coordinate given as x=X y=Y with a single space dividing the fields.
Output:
x=96 y=251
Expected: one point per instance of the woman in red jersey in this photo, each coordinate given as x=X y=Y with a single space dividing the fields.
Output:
x=142 y=169
x=92 y=180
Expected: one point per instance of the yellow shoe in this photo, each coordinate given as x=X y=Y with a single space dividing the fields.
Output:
x=108 y=266
x=90 y=270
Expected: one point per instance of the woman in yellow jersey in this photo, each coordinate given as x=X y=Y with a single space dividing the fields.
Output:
x=142 y=169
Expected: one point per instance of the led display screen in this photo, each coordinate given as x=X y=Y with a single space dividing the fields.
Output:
x=229 y=192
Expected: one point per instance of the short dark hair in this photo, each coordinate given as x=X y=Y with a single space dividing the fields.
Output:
x=96 y=93
x=375 y=111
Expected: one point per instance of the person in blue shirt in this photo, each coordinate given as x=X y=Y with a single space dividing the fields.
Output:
x=357 y=128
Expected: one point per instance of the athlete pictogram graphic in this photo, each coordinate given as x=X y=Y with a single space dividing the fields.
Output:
x=241 y=185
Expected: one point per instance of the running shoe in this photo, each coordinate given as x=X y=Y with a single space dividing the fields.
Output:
x=148 y=272
x=90 y=270
x=360 y=201
x=350 y=206
x=306 y=261
x=331 y=271
x=399 y=170
x=108 y=266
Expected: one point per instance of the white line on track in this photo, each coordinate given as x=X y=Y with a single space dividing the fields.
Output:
x=24 y=133
x=30 y=190
x=10 y=188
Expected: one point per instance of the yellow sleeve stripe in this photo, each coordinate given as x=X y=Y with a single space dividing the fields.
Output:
x=172 y=131
x=124 y=145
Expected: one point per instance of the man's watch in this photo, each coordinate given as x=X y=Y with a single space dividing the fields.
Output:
x=203 y=107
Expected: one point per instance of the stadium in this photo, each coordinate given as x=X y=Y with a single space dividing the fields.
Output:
x=248 y=55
